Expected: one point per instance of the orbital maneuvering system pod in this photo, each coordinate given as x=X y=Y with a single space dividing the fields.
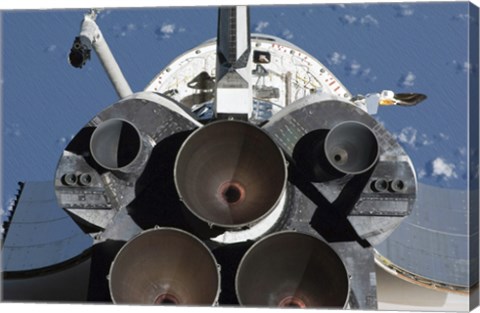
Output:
x=222 y=191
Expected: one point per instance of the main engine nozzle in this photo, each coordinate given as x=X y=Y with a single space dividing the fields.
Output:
x=351 y=148
x=164 y=266
x=230 y=174
x=290 y=269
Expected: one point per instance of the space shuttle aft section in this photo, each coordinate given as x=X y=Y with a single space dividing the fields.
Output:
x=244 y=174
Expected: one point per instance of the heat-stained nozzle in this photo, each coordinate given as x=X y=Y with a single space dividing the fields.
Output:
x=164 y=266
x=351 y=148
x=290 y=269
x=230 y=174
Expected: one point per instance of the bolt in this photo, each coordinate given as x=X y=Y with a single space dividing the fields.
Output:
x=85 y=179
x=69 y=179
x=379 y=185
x=397 y=185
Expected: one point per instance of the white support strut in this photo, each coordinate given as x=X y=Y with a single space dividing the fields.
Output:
x=90 y=30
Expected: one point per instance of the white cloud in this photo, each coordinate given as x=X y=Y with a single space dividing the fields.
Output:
x=463 y=17
x=260 y=27
x=368 y=20
x=167 y=30
x=410 y=136
x=422 y=173
x=407 y=80
x=335 y=7
x=348 y=19
x=404 y=10
x=443 y=136
x=336 y=58
x=52 y=48
x=424 y=140
x=62 y=141
x=366 y=73
x=7 y=209
x=287 y=34
x=125 y=30
x=353 y=68
x=13 y=129
x=442 y=169
x=462 y=151
x=465 y=67
x=131 y=26
x=103 y=13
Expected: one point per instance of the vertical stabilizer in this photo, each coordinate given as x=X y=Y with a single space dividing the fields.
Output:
x=233 y=94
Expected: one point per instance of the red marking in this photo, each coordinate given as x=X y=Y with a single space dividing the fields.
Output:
x=333 y=82
x=337 y=88
x=293 y=302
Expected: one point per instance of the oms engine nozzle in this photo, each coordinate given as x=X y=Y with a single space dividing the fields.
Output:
x=164 y=266
x=290 y=269
x=230 y=174
x=116 y=145
x=348 y=148
x=351 y=148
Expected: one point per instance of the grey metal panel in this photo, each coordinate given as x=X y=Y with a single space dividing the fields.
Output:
x=41 y=234
x=361 y=267
x=70 y=285
x=358 y=260
x=303 y=117
x=156 y=118
x=433 y=241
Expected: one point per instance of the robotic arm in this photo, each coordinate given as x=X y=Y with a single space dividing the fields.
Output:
x=91 y=37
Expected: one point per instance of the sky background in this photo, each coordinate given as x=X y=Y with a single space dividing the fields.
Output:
x=418 y=47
